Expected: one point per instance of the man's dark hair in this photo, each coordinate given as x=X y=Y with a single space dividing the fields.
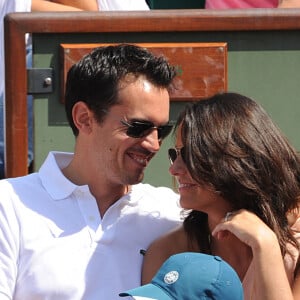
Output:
x=95 y=78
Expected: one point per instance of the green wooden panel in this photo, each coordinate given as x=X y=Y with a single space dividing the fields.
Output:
x=272 y=78
x=262 y=65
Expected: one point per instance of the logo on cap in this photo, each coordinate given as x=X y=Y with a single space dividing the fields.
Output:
x=171 y=277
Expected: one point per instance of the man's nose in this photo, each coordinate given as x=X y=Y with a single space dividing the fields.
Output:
x=151 y=141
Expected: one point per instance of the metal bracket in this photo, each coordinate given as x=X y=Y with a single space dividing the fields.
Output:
x=39 y=81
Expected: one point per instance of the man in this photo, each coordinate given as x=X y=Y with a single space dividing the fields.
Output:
x=76 y=229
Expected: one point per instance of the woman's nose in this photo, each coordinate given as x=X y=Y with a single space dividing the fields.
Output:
x=178 y=167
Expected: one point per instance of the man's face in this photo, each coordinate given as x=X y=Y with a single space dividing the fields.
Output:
x=119 y=158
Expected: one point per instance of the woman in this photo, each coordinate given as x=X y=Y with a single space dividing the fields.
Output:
x=240 y=180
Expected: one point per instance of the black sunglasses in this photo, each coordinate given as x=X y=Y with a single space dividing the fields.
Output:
x=174 y=153
x=139 y=129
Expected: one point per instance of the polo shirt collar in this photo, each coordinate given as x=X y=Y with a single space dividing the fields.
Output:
x=52 y=178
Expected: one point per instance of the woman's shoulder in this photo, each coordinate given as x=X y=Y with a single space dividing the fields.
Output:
x=172 y=242
x=161 y=249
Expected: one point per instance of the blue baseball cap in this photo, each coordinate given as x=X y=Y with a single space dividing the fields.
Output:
x=192 y=276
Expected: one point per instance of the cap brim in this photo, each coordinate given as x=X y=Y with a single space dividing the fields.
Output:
x=148 y=290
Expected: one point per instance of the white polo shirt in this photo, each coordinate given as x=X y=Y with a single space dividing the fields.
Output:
x=122 y=5
x=54 y=245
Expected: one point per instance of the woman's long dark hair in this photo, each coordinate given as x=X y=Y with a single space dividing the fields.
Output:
x=232 y=145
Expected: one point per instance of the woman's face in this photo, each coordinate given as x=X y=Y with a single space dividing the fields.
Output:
x=193 y=195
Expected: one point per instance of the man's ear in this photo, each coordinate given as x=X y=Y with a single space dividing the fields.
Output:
x=82 y=117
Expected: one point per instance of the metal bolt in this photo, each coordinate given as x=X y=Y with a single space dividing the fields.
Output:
x=48 y=81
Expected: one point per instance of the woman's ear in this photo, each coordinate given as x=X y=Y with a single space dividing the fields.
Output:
x=82 y=117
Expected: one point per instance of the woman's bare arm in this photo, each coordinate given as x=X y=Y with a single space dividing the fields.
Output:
x=271 y=282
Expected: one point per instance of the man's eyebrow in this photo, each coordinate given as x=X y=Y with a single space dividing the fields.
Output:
x=148 y=122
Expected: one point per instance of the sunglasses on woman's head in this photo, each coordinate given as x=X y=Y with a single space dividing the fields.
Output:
x=139 y=129
x=174 y=153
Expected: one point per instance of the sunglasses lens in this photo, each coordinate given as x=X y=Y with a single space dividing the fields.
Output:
x=164 y=131
x=138 y=130
x=172 y=155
